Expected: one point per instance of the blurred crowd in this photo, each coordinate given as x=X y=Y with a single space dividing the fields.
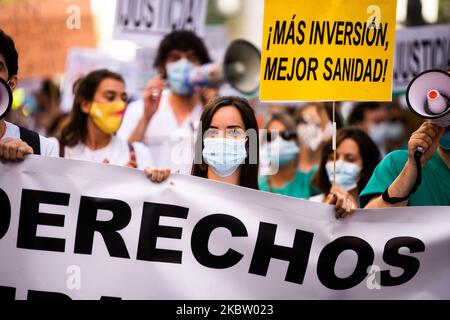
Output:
x=190 y=129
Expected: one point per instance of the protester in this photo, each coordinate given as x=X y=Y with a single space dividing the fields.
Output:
x=99 y=104
x=356 y=158
x=314 y=127
x=395 y=181
x=371 y=117
x=16 y=142
x=396 y=130
x=280 y=150
x=227 y=148
x=166 y=119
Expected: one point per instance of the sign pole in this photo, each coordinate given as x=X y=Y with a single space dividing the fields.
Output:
x=334 y=145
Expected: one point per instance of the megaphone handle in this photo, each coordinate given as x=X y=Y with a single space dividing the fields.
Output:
x=419 y=150
x=417 y=156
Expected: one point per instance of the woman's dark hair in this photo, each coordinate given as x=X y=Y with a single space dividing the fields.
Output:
x=9 y=52
x=181 y=40
x=368 y=150
x=76 y=128
x=249 y=169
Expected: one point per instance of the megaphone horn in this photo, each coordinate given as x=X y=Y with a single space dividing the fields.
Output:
x=240 y=68
x=5 y=98
x=428 y=96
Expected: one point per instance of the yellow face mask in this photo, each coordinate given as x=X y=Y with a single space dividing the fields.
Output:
x=108 y=116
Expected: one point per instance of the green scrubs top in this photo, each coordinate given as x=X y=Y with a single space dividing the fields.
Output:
x=433 y=191
x=299 y=187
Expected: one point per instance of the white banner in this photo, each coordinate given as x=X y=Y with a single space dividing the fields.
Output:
x=418 y=49
x=90 y=231
x=147 y=21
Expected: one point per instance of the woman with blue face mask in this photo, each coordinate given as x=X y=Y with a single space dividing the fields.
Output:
x=356 y=158
x=227 y=148
x=279 y=154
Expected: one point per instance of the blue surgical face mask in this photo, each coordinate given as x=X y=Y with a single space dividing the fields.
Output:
x=445 y=140
x=178 y=76
x=395 y=131
x=346 y=174
x=378 y=132
x=280 y=151
x=224 y=155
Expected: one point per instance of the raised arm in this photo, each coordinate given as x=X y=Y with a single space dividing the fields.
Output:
x=152 y=98
x=427 y=137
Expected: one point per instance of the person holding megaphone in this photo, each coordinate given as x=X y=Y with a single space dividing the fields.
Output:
x=419 y=176
x=167 y=117
x=16 y=142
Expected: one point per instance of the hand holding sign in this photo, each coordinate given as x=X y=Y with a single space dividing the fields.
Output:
x=345 y=204
x=14 y=150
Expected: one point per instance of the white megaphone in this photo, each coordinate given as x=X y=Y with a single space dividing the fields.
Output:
x=428 y=96
x=5 y=98
x=240 y=68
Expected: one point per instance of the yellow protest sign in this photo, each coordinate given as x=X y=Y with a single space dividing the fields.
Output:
x=327 y=50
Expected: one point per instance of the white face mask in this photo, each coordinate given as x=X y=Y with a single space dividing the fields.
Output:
x=327 y=133
x=346 y=174
x=224 y=155
x=378 y=132
x=312 y=135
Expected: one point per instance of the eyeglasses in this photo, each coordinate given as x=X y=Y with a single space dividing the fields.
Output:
x=286 y=135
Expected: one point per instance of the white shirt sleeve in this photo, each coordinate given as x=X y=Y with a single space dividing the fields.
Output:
x=143 y=156
x=318 y=198
x=49 y=147
x=131 y=118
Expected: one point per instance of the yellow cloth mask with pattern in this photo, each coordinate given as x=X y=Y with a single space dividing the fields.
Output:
x=108 y=116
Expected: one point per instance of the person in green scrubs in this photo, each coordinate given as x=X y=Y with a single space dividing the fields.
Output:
x=395 y=176
x=280 y=152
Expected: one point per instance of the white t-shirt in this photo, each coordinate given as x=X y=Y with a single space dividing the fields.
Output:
x=317 y=198
x=49 y=146
x=117 y=152
x=171 y=145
